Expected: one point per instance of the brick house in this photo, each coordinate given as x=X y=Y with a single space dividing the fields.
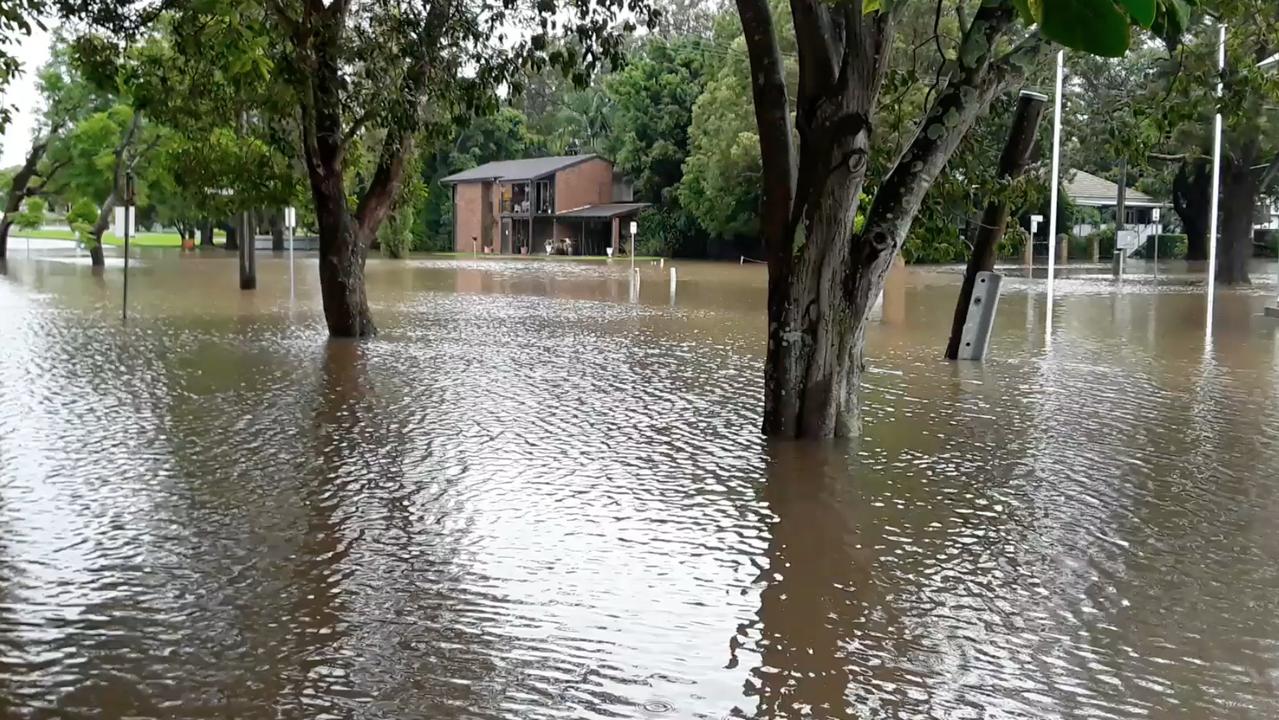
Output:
x=570 y=204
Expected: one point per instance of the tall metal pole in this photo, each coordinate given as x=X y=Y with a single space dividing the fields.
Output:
x=1121 y=219
x=1056 y=182
x=128 y=209
x=1216 y=176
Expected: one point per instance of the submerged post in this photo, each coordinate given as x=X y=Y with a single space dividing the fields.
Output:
x=975 y=338
x=128 y=208
x=290 y=220
x=994 y=220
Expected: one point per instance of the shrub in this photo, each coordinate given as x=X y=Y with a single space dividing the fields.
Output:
x=1013 y=242
x=1105 y=236
x=1171 y=247
x=669 y=231
x=81 y=218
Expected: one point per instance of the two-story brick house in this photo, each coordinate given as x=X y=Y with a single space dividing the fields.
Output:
x=571 y=203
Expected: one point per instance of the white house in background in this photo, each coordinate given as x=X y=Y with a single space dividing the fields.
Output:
x=1142 y=211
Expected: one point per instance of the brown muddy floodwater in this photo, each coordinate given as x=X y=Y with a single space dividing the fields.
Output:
x=532 y=498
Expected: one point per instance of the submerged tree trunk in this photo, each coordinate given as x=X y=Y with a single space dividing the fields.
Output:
x=824 y=276
x=1191 y=199
x=206 y=233
x=345 y=236
x=994 y=221
x=248 y=250
x=1239 y=188
x=96 y=256
x=277 y=231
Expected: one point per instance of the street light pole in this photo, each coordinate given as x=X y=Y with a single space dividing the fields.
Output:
x=1216 y=176
x=1056 y=182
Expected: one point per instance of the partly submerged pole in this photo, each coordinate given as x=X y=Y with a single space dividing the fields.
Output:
x=1056 y=182
x=1216 y=174
x=128 y=208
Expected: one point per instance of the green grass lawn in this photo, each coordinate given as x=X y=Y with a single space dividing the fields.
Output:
x=146 y=239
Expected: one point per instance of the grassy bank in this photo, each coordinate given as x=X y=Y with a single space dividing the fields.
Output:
x=146 y=239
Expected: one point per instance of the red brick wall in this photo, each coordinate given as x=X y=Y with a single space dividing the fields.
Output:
x=586 y=183
x=472 y=219
x=466 y=216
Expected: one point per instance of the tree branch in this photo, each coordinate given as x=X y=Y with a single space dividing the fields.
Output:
x=980 y=78
x=772 y=118
x=1271 y=173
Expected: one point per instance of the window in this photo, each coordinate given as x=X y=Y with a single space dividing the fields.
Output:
x=545 y=192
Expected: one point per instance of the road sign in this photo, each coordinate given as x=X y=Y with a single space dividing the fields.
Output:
x=1127 y=240
x=290 y=217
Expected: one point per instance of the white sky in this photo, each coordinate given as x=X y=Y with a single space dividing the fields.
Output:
x=21 y=94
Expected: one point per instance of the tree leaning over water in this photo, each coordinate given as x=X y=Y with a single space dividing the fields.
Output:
x=824 y=272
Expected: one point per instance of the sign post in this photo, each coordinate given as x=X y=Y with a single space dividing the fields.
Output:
x=125 y=227
x=290 y=222
x=634 y=229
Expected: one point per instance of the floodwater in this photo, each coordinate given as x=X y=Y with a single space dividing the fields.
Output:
x=533 y=498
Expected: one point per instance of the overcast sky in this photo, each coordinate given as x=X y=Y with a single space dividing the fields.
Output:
x=21 y=95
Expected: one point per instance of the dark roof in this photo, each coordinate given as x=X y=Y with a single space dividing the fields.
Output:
x=607 y=210
x=1092 y=191
x=510 y=170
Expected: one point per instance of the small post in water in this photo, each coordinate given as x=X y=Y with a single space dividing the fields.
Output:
x=128 y=209
x=290 y=221
x=634 y=229
x=673 y=281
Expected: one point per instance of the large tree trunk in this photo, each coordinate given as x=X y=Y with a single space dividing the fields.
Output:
x=96 y=256
x=18 y=190
x=206 y=233
x=1239 y=189
x=823 y=277
x=994 y=221
x=1191 y=198
x=345 y=236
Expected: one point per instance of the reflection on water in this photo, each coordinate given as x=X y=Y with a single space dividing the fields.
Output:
x=533 y=498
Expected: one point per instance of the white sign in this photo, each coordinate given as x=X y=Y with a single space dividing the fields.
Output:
x=1127 y=240
x=1034 y=223
x=634 y=227
x=290 y=217
x=118 y=227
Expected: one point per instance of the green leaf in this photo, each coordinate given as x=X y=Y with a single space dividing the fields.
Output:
x=1142 y=11
x=1093 y=26
x=1023 y=9
x=870 y=6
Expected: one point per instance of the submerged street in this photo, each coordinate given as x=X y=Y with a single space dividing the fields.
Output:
x=531 y=497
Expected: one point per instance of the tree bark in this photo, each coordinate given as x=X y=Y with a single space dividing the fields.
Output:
x=1239 y=189
x=823 y=276
x=994 y=222
x=232 y=235
x=277 y=231
x=248 y=250
x=96 y=256
x=1191 y=199
x=206 y=233
x=18 y=190
x=345 y=236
